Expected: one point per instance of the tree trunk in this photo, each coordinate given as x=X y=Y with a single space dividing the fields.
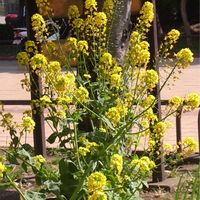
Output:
x=119 y=31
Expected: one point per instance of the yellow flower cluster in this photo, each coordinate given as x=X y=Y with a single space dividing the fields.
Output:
x=184 y=58
x=172 y=36
x=65 y=83
x=138 y=54
x=168 y=148
x=146 y=18
x=39 y=26
x=82 y=95
x=22 y=58
x=116 y=163
x=75 y=48
x=110 y=71
x=149 y=116
x=31 y=47
x=189 y=146
x=45 y=101
x=148 y=101
x=28 y=124
x=114 y=114
x=53 y=68
x=6 y=120
x=38 y=160
x=44 y=7
x=38 y=62
x=73 y=12
x=159 y=129
x=100 y=19
x=150 y=79
x=91 y=5
x=143 y=165
x=92 y=28
x=191 y=101
x=82 y=46
x=61 y=114
x=2 y=169
x=168 y=43
x=98 y=195
x=175 y=102
x=96 y=182
x=87 y=146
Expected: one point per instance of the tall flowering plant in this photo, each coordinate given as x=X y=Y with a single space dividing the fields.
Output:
x=98 y=109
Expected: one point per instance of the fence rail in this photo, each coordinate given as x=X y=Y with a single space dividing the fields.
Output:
x=163 y=103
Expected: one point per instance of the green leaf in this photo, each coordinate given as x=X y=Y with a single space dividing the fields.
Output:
x=107 y=121
x=24 y=166
x=67 y=169
x=35 y=196
x=53 y=186
x=51 y=139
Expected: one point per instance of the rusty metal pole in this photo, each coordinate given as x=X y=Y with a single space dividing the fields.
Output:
x=36 y=89
x=158 y=173
x=178 y=129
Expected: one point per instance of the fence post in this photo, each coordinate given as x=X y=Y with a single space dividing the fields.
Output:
x=158 y=173
x=36 y=89
x=178 y=129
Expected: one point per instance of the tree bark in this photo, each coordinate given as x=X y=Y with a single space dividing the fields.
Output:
x=119 y=31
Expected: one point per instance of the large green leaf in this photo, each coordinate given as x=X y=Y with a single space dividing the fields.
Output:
x=68 y=183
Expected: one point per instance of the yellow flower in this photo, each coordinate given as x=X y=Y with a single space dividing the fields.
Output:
x=31 y=47
x=82 y=95
x=175 y=101
x=45 y=101
x=116 y=163
x=113 y=115
x=38 y=160
x=87 y=76
x=147 y=15
x=44 y=7
x=168 y=148
x=191 y=101
x=144 y=165
x=102 y=130
x=160 y=128
x=22 y=58
x=96 y=182
x=73 y=12
x=115 y=80
x=106 y=59
x=100 y=19
x=98 y=195
x=39 y=27
x=54 y=67
x=2 y=169
x=151 y=79
x=184 y=58
x=61 y=114
x=82 y=46
x=28 y=123
x=168 y=43
x=148 y=101
x=38 y=61
x=189 y=146
x=65 y=83
x=91 y=5
x=173 y=36
x=83 y=151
